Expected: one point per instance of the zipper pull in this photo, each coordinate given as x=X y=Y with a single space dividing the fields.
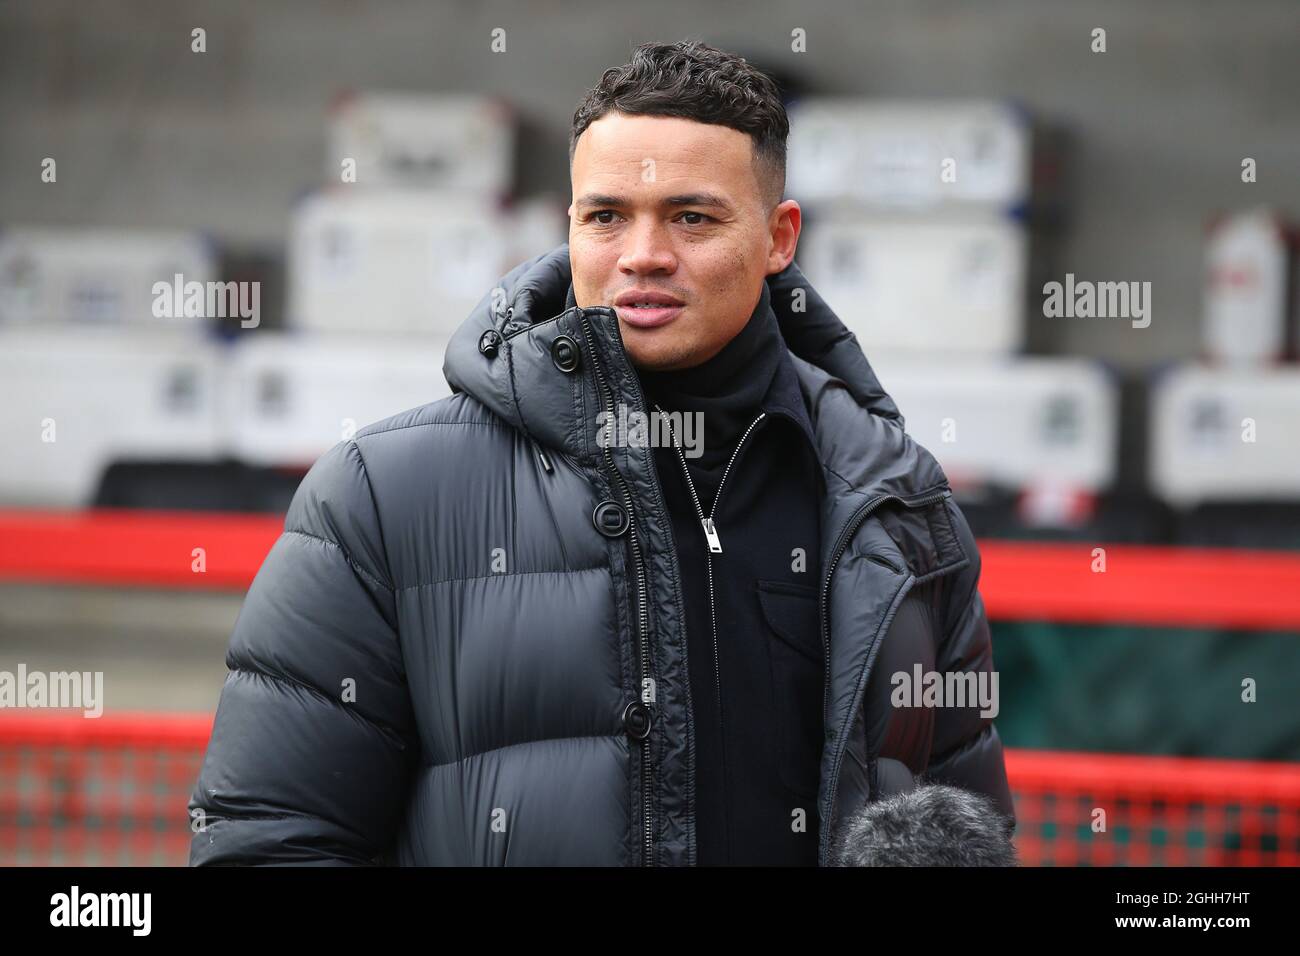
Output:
x=711 y=533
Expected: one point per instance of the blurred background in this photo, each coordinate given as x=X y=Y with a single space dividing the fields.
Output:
x=344 y=183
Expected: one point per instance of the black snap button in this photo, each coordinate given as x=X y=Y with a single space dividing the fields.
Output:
x=564 y=351
x=489 y=342
x=636 y=720
x=610 y=519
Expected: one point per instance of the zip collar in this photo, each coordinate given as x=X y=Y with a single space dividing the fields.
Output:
x=785 y=400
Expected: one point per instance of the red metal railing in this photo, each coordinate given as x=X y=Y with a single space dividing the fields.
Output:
x=113 y=546
x=1171 y=587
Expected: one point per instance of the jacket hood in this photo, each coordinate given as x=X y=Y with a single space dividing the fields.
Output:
x=534 y=292
x=520 y=382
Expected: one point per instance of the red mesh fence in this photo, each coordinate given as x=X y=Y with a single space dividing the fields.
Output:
x=1156 y=811
x=113 y=790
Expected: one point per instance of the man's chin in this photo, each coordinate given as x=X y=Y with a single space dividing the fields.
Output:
x=651 y=350
x=655 y=362
x=664 y=348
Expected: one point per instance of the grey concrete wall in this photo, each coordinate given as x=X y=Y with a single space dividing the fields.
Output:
x=148 y=133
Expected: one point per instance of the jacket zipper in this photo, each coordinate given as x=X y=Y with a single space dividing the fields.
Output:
x=714 y=543
x=710 y=529
x=644 y=644
x=841 y=545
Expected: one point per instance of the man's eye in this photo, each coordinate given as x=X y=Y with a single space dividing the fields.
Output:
x=597 y=217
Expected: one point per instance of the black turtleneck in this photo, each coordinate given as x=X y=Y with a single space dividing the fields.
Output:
x=727 y=388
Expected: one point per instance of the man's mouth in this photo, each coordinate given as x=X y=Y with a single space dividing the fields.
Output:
x=648 y=315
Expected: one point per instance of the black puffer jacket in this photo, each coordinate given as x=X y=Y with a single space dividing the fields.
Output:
x=467 y=646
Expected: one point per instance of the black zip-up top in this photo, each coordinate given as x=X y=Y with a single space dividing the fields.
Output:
x=744 y=511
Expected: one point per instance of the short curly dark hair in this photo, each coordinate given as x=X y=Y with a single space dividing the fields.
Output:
x=693 y=80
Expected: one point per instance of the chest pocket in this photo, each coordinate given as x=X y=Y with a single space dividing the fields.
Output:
x=798 y=671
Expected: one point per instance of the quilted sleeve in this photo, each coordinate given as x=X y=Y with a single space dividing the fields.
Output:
x=313 y=743
x=966 y=750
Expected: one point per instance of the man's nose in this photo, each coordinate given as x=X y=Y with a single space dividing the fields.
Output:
x=647 y=248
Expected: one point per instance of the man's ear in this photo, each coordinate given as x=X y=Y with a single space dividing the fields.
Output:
x=786 y=222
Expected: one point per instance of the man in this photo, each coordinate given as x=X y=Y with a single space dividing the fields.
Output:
x=498 y=630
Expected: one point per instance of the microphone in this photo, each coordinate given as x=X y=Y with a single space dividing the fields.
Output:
x=932 y=825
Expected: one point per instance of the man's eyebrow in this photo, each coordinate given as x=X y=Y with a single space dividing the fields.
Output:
x=684 y=199
x=601 y=199
x=698 y=199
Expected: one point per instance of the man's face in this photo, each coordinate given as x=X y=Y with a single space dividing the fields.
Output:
x=669 y=209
